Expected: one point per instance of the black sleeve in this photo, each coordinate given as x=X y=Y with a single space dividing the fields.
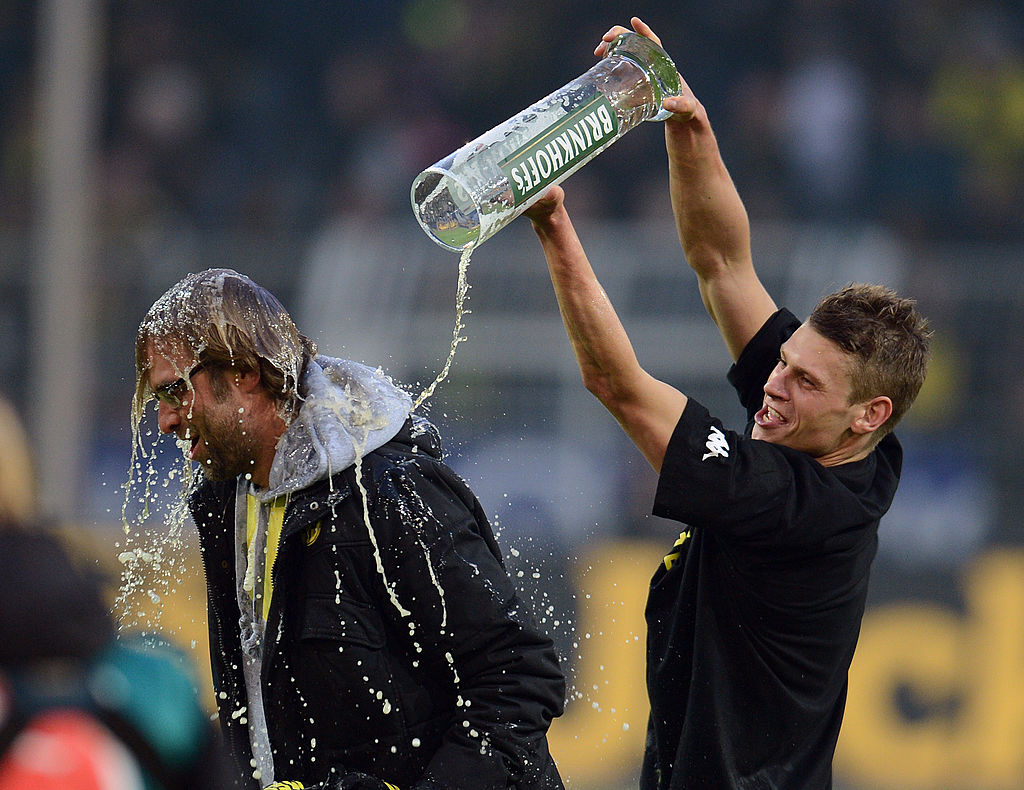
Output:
x=759 y=357
x=714 y=477
x=446 y=571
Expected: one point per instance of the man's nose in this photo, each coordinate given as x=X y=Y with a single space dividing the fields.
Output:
x=168 y=418
x=776 y=384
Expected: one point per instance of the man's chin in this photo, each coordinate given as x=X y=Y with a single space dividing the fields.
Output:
x=768 y=435
x=216 y=473
x=223 y=465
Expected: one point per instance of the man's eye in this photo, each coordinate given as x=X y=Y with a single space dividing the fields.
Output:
x=171 y=392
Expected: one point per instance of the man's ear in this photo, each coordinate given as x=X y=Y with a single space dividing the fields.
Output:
x=247 y=381
x=873 y=415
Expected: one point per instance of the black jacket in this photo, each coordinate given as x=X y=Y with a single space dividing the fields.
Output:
x=400 y=650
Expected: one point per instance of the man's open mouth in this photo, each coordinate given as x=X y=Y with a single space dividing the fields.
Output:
x=188 y=443
x=768 y=416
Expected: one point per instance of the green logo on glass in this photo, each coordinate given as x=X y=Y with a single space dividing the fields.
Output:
x=560 y=147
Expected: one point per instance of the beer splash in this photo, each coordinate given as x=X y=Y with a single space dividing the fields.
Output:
x=153 y=550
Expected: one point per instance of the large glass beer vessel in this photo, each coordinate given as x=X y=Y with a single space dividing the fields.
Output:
x=471 y=194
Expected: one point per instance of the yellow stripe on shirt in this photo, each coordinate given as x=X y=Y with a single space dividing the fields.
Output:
x=275 y=523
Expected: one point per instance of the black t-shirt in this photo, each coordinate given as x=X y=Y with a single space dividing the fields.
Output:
x=753 y=616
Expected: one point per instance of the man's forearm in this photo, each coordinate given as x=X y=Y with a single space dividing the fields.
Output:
x=712 y=222
x=647 y=409
x=713 y=226
x=602 y=348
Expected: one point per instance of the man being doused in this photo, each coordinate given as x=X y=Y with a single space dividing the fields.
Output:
x=364 y=632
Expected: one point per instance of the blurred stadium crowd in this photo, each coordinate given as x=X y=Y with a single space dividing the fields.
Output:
x=259 y=134
x=266 y=116
x=241 y=132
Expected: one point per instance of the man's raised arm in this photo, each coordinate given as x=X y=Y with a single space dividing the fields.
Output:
x=646 y=408
x=710 y=217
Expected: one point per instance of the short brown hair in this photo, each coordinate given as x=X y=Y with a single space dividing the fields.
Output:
x=226 y=321
x=887 y=339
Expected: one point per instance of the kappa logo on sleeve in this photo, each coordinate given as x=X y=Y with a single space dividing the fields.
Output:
x=717 y=445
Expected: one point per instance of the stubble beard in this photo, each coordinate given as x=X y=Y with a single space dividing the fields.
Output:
x=230 y=448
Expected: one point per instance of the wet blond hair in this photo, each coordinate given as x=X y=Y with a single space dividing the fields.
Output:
x=227 y=322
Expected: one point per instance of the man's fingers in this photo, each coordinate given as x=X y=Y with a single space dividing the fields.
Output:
x=546 y=204
x=639 y=26
x=644 y=29
x=683 y=107
x=602 y=49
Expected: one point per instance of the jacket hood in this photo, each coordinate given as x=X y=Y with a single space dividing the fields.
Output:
x=348 y=410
